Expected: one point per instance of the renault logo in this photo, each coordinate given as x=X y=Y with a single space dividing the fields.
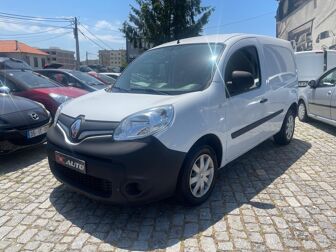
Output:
x=75 y=128
x=34 y=116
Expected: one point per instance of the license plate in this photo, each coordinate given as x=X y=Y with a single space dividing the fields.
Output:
x=37 y=132
x=70 y=162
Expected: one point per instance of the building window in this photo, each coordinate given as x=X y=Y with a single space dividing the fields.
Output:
x=35 y=62
x=43 y=62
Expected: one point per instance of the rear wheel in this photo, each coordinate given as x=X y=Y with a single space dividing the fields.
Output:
x=197 y=178
x=302 y=113
x=286 y=133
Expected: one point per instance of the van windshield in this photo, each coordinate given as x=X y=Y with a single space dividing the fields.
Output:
x=171 y=70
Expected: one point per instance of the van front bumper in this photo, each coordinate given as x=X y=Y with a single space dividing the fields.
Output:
x=130 y=172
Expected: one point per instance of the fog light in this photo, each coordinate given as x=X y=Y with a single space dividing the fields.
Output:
x=133 y=189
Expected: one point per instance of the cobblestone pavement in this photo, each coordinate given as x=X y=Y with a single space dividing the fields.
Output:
x=272 y=198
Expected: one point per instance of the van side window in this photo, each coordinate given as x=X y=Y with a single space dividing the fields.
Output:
x=245 y=59
x=280 y=60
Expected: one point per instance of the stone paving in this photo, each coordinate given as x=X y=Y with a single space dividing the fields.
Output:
x=272 y=198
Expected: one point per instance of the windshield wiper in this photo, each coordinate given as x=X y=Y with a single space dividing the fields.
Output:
x=149 y=90
x=119 y=88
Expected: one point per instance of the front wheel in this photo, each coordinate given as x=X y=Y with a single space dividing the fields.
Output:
x=286 y=133
x=302 y=112
x=197 y=178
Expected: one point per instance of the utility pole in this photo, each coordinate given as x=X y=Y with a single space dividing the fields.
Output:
x=77 y=44
x=87 y=58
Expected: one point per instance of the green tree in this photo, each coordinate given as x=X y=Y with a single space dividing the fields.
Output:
x=158 y=21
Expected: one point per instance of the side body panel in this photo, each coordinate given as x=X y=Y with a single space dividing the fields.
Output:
x=244 y=111
x=197 y=115
x=319 y=100
x=280 y=73
x=333 y=106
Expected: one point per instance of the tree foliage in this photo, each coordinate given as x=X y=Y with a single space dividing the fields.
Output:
x=158 y=21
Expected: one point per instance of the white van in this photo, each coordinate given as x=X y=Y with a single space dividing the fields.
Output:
x=176 y=115
x=312 y=64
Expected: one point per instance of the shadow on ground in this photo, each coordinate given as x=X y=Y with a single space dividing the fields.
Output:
x=22 y=158
x=323 y=126
x=163 y=224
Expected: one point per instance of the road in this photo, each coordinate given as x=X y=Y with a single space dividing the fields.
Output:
x=272 y=198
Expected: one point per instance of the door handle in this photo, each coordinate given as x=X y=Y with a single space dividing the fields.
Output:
x=329 y=92
x=263 y=100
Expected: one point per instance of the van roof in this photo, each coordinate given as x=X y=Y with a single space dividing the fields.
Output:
x=226 y=38
x=314 y=52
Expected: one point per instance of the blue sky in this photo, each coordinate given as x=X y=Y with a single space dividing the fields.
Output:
x=104 y=18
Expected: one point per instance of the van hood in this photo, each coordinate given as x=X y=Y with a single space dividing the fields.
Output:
x=114 y=107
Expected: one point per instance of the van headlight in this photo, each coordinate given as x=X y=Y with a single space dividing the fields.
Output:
x=144 y=123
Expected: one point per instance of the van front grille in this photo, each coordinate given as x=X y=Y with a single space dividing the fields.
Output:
x=92 y=185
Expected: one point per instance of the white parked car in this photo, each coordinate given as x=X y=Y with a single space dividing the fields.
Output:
x=312 y=64
x=112 y=75
x=177 y=114
x=318 y=99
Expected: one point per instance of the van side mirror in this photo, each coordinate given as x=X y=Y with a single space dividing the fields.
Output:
x=242 y=80
x=4 y=90
x=312 y=84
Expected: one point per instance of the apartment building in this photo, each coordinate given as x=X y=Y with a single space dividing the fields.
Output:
x=112 y=58
x=60 y=56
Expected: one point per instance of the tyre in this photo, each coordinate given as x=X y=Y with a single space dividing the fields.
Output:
x=302 y=112
x=197 y=177
x=286 y=133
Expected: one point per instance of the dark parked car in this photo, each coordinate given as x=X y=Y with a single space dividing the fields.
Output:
x=36 y=87
x=23 y=123
x=10 y=63
x=85 y=69
x=73 y=78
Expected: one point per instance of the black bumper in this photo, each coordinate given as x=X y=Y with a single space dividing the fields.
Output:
x=119 y=172
x=12 y=140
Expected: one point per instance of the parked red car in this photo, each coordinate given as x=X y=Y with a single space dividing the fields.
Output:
x=36 y=87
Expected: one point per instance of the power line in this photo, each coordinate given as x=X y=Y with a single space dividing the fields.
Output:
x=101 y=41
x=34 y=33
x=241 y=21
x=51 y=38
x=35 y=23
x=24 y=17
x=91 y=40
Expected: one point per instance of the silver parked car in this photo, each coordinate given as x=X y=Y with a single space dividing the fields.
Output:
x=318 y=99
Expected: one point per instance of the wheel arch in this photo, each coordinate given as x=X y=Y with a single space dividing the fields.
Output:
x=294 y=106
x=214 y=142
